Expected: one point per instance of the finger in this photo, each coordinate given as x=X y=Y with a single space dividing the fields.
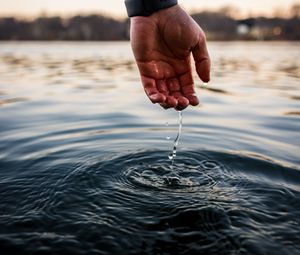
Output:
x=173 y=85
x=162 y=87
x=192 y=97
x=171 y=102
x=164 y=106
x=187 y=88
x=175 y=90
x=151 y=90
x=202 y=60
x=182 y=101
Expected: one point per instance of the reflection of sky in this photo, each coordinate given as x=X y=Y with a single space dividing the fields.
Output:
x=84 y=92
x=116 y=7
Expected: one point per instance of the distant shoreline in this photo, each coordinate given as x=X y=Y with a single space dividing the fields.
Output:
x=127 y=41
x=218 y=26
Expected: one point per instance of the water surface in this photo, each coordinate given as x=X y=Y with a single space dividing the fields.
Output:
x=84 y=165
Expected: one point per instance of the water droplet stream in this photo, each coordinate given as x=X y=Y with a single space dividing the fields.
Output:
x=172 y=155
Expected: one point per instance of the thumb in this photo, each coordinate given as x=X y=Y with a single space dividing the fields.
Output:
x=202 y=60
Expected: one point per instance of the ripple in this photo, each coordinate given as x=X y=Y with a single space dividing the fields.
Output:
x=157 y=173
x=295 y=113
x=217 y=90
x=4 y=102
x=206 y=203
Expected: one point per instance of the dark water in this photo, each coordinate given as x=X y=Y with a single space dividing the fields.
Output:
x=84 y=165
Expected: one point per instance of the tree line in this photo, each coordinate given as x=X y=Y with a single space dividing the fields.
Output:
x=218 y=25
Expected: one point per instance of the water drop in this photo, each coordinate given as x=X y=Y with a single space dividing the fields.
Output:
x=167 y=137
x=172 y=156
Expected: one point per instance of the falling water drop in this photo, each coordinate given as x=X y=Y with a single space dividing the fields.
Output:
x=167 y=137
x=173 y=154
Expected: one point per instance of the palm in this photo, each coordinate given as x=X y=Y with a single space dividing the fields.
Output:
x=162 y=44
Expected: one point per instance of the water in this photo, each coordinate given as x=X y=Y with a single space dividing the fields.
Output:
x=172 y=156
x=83 y=154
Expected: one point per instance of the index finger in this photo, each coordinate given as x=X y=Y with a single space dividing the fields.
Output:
x=187 y=88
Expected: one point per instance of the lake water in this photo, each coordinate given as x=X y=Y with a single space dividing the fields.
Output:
x=84 y=165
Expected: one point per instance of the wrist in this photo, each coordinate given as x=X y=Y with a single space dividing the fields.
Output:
x=147 y=7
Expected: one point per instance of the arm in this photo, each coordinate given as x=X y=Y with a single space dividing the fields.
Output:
x=163 y=44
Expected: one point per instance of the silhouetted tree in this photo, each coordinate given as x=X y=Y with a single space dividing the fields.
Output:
x=217 y=25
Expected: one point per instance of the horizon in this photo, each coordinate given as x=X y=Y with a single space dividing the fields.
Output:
x=116 y=8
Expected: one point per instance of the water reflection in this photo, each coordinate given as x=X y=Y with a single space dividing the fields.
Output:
x=83 y=154
x=223 y=203
x=12 y=100
x=292 y=113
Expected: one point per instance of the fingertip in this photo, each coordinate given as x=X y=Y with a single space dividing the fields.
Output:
x=189 y=92
x=166 y=107
x=157 y=98
x=172 y=102
x=180 y=108
x=203 y=70
x=193 y=100
x=202 y=60
x=182 y=103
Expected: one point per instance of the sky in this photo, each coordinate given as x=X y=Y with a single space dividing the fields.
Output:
x=30 y=8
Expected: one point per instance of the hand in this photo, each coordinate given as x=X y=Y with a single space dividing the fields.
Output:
x=162 y=45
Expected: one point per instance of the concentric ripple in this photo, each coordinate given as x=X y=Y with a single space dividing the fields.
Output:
x=207 y=203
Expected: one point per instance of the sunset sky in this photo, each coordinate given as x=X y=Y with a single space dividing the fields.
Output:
x=117 y=9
